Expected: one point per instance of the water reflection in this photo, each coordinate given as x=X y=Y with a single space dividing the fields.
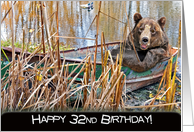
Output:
x=75 y=21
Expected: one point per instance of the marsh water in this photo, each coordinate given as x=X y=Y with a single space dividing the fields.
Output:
x=74 y=21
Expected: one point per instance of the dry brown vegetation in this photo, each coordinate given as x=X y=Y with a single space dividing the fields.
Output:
x=28 y=84
x=48 y=86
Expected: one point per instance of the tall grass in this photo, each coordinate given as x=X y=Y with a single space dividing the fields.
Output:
x=48 y=85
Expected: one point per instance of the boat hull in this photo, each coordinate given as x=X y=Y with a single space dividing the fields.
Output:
x=134 y=80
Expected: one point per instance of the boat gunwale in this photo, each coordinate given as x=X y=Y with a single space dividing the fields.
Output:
x=132 y=80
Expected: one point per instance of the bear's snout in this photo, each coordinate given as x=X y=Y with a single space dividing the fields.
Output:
x=145 y=40
x=144 y=43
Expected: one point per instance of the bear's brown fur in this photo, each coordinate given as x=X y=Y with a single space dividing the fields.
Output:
x=151 y=44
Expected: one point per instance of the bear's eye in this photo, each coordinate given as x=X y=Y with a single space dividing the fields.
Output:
x=153 y=31
x=140 y=29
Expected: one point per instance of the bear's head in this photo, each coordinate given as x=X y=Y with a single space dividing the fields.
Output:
x=148 y=33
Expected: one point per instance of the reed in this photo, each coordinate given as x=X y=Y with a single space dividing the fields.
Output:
x=171 y=82
x=43 y=44
x=41 y=96
x=50 y=84
x=48 y=32
x=170 y=86
x=131 y=37
x=171 y=92
x=57 y=39
x=112 y=17
x=8 y=12
x=97 y=29
x=5 y=54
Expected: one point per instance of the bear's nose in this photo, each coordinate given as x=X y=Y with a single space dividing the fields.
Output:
x=145 y=40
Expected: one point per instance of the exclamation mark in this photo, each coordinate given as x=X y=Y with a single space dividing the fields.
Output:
x=150 y=119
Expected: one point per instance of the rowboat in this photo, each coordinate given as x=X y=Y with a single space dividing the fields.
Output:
x=134 y=80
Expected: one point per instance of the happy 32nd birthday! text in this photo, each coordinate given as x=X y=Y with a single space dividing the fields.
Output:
x=84 y=119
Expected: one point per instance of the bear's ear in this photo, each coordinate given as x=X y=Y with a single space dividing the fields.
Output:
x=137 y=17
x=162 y=22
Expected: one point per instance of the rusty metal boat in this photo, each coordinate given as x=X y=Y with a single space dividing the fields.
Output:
x=134 y=80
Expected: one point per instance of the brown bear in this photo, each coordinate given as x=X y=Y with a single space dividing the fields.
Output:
x=150 y=41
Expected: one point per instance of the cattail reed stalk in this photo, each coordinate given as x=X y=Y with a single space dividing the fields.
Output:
x=21 y=78
x=168 y=80
x=102 y=52
x=13 y=47
x=97 y=28
x=173 y=84
x=57 y=88
x=43 y=44
x=107 y=90
x=2 y=99
x=114 y=94
x=110 y=91
x=35 y=22
x=13 y=60
x=104 y=41
x=102 y=57
x=23 y=44
x=158 y=92
x=73 y=37
x=8 y=12
x=57 y=39
x=112 y=17
x=106 y=76
x=64 y=89
x=89 y=28
x=48 y=32
x=29 y=25
x=86 y=80
x=172 y=94
x=73 y=72
x=120 y=92
x=163 y=78
x=131 y=34
x=118 y=89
